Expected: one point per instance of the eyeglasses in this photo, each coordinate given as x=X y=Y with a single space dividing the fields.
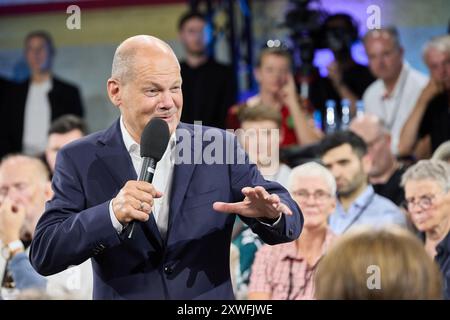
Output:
x=424 y=202
x=303 y=195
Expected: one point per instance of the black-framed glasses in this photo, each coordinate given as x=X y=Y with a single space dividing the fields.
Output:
x=424 y=202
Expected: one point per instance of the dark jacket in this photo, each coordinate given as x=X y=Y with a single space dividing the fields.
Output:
x=193 y=260
x=64 y=99
x=443 y=259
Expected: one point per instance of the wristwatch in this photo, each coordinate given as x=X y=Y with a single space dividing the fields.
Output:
x=11 y=248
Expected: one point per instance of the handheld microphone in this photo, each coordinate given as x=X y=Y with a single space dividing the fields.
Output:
x=154 y=141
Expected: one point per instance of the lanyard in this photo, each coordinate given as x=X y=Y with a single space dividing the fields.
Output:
x=360 y=212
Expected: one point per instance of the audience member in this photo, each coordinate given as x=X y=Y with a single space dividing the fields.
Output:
x=386 y=172
x=386 y=264
x=395 y=92
x=277 y=90
x=24 y=189
x=209 y=87
x=39 y=100
x=345 y=154
x=286 y=271
x=427 y=186
x=428 y=124
x=62 y=131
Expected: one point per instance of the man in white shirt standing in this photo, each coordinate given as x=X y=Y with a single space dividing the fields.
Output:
x=395 y=92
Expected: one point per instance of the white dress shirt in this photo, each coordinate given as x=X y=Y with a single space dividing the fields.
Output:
x=395 y=109
x=162 y=180
x=37 y=118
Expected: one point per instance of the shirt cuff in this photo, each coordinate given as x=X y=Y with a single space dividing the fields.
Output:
x=271 y=224
x=115 y=223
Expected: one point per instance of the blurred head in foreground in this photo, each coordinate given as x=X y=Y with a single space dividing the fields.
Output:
x=383 y=264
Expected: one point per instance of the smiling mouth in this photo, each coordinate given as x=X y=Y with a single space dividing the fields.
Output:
x=166 y=117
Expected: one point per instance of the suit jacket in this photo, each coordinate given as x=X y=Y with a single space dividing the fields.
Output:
x=64 y=99
x=193 y=260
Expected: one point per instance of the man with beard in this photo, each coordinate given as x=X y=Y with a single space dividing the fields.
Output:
x=209 y=87
x=345 y=155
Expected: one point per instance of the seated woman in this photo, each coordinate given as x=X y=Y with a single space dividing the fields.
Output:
x=427 y=195
x=286 y=271
x=277 y=89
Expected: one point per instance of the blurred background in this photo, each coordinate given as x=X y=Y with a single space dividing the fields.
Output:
x=240 y=28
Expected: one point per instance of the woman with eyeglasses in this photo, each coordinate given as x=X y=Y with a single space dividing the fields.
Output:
x=427 y=186
x=286 y=271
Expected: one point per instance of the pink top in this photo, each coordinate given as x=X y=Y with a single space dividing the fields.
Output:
x=275 y=266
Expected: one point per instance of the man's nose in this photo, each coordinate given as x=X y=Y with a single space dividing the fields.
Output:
x=166 y=100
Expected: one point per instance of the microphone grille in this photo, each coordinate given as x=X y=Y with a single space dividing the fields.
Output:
x=154 y=139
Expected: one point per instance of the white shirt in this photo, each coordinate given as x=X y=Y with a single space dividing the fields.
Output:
x=281 y=176
x=162 y=179
x=37 y=118
x=396 y=108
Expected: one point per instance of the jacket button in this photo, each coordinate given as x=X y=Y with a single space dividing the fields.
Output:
x=168 y=270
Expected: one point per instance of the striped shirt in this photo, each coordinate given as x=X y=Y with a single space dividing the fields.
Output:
x=284 y=273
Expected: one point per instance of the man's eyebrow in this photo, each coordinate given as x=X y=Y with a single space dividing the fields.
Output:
x=149 y=83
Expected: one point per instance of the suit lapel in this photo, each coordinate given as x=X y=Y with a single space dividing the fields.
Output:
x=115 y=157
x=181 y=178
x=117 y=160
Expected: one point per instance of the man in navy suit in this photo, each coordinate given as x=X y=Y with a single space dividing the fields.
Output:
x=180 y=245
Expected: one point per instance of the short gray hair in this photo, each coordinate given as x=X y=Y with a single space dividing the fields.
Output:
x=439 y=43
x=312 y=169
x=442 y=152
x=435 y=170
x=391 y=31
x=122 y=65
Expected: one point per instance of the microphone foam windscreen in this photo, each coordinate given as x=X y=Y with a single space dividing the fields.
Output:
x=154 y=139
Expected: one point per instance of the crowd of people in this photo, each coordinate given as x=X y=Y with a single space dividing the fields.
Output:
x=373 y=196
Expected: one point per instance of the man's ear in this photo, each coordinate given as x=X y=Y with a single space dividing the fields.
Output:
x=113 y=87
x=366 y=163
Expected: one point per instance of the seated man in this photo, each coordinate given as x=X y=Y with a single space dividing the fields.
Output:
x=395 y=92
x=386 y=172
x=63 y=130
x=345 y=154
x=24 y=189
x=427 y=126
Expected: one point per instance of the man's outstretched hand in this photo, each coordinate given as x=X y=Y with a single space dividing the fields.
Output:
x=258 y=203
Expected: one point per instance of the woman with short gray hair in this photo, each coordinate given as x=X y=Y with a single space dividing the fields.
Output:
x=286 y=271
x=427 y=185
